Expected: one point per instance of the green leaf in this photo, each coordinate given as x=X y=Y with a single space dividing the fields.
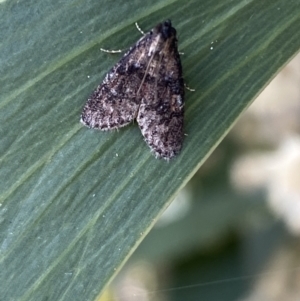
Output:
x=75 y=202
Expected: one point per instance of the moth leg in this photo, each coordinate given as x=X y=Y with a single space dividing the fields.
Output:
x=188 y=88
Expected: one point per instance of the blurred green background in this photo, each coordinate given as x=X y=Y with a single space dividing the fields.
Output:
x=233 y=232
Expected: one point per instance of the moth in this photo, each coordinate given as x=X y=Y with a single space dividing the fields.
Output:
x=146 y=85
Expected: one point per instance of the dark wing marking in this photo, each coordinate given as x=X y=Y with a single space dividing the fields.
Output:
x=160 y=115
x=114 y=103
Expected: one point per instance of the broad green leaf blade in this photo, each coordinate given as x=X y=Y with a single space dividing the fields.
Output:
x=75 y=202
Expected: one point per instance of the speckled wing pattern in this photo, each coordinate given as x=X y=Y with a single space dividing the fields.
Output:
x=147 y=85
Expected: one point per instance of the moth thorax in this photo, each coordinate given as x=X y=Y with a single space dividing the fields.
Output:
x=159 y=44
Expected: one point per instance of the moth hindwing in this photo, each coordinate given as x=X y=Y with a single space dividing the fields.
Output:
x=146 y=85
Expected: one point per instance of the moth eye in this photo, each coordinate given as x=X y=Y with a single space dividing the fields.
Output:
x=151 y=32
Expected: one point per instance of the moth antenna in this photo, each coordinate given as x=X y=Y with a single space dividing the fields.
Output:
x=111 y=51
x=139 y=28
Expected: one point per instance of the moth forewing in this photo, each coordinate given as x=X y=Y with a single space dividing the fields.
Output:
x=145 y=84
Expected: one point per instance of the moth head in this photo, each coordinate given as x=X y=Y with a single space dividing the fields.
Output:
x=165 y=29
